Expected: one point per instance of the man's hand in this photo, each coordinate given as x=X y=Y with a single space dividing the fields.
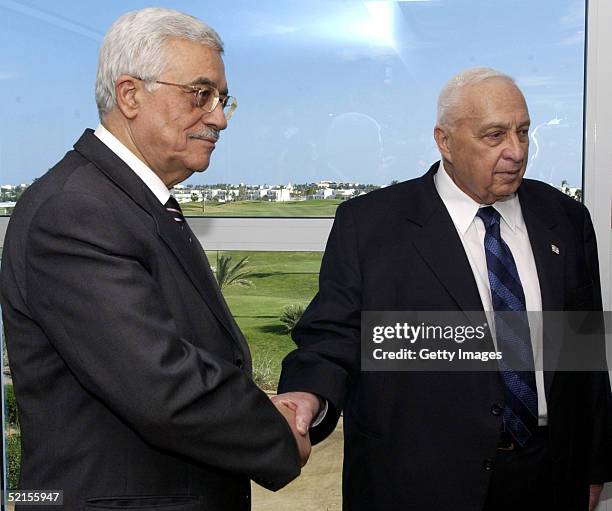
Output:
x=305 y=404
x=594 y=495
x=302 y=440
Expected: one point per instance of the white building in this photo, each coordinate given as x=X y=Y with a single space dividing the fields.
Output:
x=279 y=195
x=344 y=194
x=257 y=193
x=225 y=195
x=6 y=208
x=185 y=195
x=324 y=193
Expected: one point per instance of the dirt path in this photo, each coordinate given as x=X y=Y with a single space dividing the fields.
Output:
x=317 y=489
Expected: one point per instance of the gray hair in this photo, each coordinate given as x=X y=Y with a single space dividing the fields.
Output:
x=135 y=45
x=451 y=95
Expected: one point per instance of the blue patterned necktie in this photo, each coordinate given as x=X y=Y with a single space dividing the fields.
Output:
x=520 y=415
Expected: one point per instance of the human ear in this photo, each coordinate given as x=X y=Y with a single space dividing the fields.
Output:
x=127 y=94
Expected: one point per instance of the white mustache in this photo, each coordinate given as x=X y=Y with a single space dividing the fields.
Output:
x=210 y=134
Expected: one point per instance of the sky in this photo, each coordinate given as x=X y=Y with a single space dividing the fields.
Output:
x=340 y=90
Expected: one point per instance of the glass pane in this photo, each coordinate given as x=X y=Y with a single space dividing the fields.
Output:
x=339 y=91
x=266 y=301
x=267 y=292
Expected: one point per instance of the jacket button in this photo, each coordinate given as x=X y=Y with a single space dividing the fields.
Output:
x=496 y=409
x=488 y=464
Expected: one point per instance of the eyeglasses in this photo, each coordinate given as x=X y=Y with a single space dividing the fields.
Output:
x=207 y=97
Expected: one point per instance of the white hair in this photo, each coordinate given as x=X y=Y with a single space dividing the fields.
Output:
x=451 y=95
x=135 y=45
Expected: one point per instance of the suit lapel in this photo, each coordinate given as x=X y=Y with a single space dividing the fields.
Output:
x=189 y=255
x=549 y=254
x=438 y=242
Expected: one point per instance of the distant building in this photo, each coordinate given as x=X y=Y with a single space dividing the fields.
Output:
x=257 y=193
x=226 y=195
x=279 y=195
x=344 y=194
x=210 y=193
x=6 y=208
x=185 y=195
x=324 y=193
x=574 y=192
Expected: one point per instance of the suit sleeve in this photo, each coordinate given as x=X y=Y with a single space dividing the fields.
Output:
x=600 y=399
x=92 y=290
x=328 y=335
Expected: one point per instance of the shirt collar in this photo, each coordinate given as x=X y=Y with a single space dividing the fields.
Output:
x=462 y=208
x=150 y=178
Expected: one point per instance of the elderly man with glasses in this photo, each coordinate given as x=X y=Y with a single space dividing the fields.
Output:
x=132 y=379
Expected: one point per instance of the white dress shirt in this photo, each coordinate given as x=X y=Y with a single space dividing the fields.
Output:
x=462 y=209
x=150 y=178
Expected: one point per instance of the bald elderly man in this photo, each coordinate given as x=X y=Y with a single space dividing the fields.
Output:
x=469 y=235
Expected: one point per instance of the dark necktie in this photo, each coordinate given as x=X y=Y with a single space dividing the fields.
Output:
x=172 y=207
x=512 y=332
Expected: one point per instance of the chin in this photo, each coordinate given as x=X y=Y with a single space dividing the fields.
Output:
x=503 y=193
x=507 y=187
x=199 y=165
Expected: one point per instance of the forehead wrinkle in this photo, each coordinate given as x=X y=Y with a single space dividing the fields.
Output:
x=488 y=118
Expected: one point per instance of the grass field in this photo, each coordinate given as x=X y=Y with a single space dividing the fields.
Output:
x=280 y=279
x=321 y=208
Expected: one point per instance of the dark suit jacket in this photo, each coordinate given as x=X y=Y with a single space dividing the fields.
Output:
x=132 y=378
x=426 y=440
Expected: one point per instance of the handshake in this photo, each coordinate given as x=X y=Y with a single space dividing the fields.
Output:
x=299 y=409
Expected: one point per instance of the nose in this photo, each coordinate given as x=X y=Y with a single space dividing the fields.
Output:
x=515 y=149
x=216 y=118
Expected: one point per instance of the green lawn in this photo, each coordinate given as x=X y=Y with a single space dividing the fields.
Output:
x=322 y=208
x=280 y=279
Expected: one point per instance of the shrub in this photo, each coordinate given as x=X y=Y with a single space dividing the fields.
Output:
x=263 y=374
x=291 y=315
x=11 y=406
x=13 y=458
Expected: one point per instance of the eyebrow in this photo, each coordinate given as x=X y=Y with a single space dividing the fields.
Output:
x=500 y=125
x=202 y=80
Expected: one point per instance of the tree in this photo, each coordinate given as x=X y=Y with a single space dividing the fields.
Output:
x=578 y=195
x=564 y=187
x=229 y=274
